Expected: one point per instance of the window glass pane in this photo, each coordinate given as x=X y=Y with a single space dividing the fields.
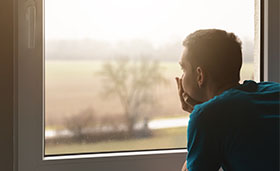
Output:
x=110 y=69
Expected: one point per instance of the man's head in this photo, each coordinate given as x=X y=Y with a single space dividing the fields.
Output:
x=211 y=58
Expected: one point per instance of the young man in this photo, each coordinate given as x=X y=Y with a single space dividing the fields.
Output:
x=233 y=126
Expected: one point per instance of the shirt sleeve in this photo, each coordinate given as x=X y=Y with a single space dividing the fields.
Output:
x=203 y=145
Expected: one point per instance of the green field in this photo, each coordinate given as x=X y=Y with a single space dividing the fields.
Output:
x=162 y=139
x=72 y=86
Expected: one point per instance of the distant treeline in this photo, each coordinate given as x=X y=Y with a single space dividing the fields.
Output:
x=89 y=49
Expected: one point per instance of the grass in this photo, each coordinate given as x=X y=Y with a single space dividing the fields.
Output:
x=72 y=86
x=162 y=139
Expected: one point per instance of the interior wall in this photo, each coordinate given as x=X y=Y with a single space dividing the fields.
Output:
x=6 y=85
x=6 y=80
x=272 y=41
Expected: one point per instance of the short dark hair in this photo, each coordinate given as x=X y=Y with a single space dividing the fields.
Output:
x=217 y=51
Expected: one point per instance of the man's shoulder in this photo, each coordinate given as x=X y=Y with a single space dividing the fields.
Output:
x=218 y=105
x=269 y=86
x=226 y=104
x=233 y=103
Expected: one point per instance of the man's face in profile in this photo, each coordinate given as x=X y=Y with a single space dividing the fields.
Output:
x=189 y=82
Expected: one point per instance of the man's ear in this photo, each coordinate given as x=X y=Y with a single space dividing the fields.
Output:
x=200 y=76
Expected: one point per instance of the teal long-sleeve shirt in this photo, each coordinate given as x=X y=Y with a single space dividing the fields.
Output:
x=237 y=130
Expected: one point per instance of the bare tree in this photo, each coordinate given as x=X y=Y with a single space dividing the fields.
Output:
x=133 y=83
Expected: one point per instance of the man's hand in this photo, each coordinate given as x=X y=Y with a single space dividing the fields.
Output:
x=185 y=106
x=184 y=168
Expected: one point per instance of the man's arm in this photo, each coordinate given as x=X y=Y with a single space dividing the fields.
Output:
x=185 y=106
x=204 y=145
x=197 y=142
x=184 y=168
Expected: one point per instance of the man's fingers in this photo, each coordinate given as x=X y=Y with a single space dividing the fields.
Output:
x=177 y=81
x=184 y=168
x=180 y=81
x=180 y=89
x=181 y=93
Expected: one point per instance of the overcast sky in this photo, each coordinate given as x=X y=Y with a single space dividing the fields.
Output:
x=158 y=21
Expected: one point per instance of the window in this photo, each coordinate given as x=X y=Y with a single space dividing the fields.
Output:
x=110 y=69
x=30 y=99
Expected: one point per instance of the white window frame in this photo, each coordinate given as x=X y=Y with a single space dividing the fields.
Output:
x=28 y=91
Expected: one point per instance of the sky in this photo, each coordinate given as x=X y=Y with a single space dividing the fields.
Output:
x=156 y=21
